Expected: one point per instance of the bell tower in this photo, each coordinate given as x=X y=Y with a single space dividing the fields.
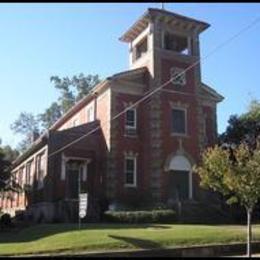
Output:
x=167 y=44
x=160 y=34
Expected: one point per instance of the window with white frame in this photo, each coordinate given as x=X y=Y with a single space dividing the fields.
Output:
x=130 y=171
x=28 y=173
x=131 y=118
x=179 y=121
x=40 y=169
x=178 y=76
x=90 y=113
x=21 y=176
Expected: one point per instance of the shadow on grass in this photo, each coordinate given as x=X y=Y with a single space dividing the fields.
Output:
x=40 y=231
x=137 y=242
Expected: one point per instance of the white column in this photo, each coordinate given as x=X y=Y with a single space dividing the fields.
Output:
x=63 y=167
x=190 y=185
x=162 y=40
x=189 y=46
x=85 y=171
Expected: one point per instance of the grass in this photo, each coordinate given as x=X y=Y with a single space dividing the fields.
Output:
x=51 y=238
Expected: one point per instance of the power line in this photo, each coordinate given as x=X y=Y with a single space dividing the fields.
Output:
x=150 y=93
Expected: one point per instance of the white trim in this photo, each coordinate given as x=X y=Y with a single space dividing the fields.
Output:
x=64 y=160
x=63 y=167
x=90 y=111
x=128 y=157
x=85 y=171
x=162 y=39
x=77 y=158
x=135 y=119
x=178 y=71
x=190 y=185
x=181 y=163
x=29 y=158
x=190 y=47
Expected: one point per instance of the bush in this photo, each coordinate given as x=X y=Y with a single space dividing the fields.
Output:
x=5 y=220
x=131 y=200
x=154 y=216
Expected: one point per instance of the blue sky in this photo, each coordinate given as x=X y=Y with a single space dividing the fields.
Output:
x=41 y=40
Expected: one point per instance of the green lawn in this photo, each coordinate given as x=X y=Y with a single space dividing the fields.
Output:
x=48 y=238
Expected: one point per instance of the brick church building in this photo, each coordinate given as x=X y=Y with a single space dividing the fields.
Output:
x=145 y=153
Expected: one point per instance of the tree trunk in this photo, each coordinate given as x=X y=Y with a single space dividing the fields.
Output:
x=249 y=231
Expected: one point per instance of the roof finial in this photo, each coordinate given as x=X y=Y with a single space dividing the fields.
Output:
x=162 y=6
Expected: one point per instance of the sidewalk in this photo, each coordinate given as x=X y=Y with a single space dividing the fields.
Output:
x=221 y=250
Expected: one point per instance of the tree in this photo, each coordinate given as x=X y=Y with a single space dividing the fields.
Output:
x=73 y=89
x=28 y=126
x=4 y=171
x=10 y=153
x=50 y=116
x=243 y=128
x=84 y=84
x=234 y=172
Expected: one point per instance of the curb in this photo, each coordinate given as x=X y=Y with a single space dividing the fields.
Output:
x=194 y=251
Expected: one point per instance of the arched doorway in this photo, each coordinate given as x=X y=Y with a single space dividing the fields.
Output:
x=179 y=178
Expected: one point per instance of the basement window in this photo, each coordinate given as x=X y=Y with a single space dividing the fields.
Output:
x=176 y=43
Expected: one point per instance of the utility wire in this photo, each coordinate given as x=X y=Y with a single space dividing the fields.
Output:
x=150 y=93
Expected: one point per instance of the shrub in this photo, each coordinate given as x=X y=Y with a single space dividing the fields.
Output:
x=153 y=216
x=5 y=220
x=133 y=200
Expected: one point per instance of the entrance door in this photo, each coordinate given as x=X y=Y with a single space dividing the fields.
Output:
x=178 y=186
x=72 y=175
x=73 y=170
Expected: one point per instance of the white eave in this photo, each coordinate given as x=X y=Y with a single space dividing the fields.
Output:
x=169 y=17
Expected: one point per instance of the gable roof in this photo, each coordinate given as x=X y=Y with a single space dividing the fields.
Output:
x=210 y=92
x=43 y=138
x=93 y=92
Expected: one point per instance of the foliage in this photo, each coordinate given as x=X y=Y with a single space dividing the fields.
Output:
x=50 y=116
x=73 y=89
x=25 y=123
x=5 y=221
x=243 y=128
x=28 y=126
x=133 y=200
x=154 y=216
x=10 y=153
x=4 y=171
x=236 y=174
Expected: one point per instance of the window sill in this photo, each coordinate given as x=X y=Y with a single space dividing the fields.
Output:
x=179 y=135
x=130 y=136
x=130 y=132
x=130 y=186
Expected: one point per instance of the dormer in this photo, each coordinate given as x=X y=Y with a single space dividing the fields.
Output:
x=160 y=32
